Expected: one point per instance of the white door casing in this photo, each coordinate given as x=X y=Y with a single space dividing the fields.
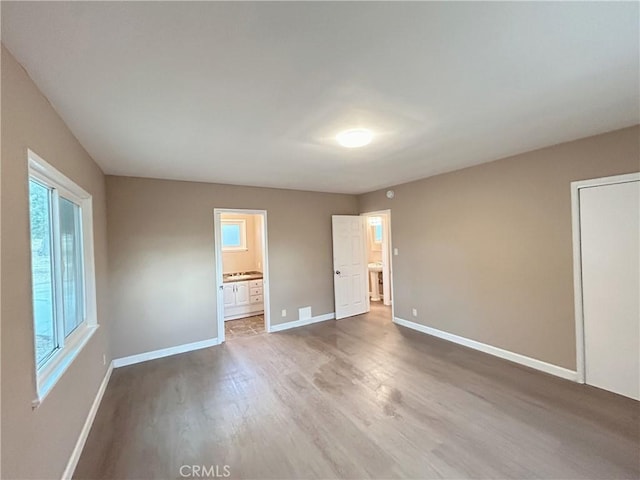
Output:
x=349 y=266
x=222 y=294
x=387 y=257
x=609 y=248
x=386 y=260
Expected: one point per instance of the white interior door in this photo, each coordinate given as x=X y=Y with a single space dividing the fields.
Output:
x=349 y=265
x=610 y=244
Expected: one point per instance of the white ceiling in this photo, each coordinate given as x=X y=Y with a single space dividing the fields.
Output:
x=254 y=93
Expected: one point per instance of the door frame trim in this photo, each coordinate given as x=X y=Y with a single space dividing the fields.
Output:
x=577 y=258
x=266 y=291
x=386 y=212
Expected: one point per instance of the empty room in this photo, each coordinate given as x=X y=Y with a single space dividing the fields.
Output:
x=320 y=240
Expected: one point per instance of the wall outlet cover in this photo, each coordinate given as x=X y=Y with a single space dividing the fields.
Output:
x=414 y=312
x=284 y=312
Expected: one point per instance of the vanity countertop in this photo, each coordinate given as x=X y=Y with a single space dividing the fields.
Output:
x=241 y=276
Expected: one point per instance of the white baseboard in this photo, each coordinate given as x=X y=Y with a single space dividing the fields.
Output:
x=301 y=323
x=86 y=428
x=165 y=352
x=491 y=350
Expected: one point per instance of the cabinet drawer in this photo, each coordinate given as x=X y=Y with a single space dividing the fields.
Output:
x=256 y=291
x=255 y=283
x=256 y=299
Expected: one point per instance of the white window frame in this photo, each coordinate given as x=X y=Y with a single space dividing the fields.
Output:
x=243 y=234
x=48 y=374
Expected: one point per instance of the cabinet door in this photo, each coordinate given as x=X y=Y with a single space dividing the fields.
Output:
x=229 y=295
x=242 y=293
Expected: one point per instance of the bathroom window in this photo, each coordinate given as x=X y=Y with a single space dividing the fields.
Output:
x=234 y=235
x=377 y=233
x=375 y=224
x=62 y=274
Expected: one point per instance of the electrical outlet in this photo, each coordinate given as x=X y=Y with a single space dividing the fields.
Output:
x=284 y=312
x=414 y=312
x=395 y=251
x=104 y=359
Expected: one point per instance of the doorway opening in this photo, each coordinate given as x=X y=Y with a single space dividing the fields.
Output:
x=242 y=273
x=379 y=262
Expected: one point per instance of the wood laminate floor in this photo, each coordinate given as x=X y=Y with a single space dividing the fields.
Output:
x=355 y=398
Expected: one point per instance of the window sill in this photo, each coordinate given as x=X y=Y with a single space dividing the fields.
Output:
x=53 y=370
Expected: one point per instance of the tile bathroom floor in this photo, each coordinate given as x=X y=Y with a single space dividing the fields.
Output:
x=244 y=327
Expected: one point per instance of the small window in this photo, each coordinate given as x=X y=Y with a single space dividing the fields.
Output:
x=234 y=235
x=375 y=224
x=63 y=280
x=377 y=233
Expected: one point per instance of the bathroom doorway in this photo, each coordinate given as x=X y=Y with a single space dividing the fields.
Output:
x=242 y=273
x=379 y=261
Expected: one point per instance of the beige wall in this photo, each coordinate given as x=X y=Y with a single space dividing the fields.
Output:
x=162 y=266
x=486 y=252
x=244 y=260
x=259 y=242
x=38 y=443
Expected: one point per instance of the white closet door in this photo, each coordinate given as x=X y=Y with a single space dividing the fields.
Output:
x=610 y=244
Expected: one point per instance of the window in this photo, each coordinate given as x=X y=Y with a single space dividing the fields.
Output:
x=376 y=229
x=63 y=282
x=234 y=235
x=377 y=233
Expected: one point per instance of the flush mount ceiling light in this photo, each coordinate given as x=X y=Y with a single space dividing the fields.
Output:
x=357 y=137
